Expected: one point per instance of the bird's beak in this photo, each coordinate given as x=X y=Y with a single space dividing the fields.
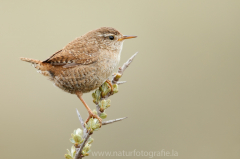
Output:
x=127 y=37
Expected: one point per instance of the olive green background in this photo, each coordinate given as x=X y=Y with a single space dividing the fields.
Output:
x=182 y=90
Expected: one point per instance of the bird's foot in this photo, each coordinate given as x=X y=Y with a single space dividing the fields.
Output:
x=110 y=85
x=91 y=115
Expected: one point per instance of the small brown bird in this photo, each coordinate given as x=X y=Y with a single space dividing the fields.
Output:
x=85 y=63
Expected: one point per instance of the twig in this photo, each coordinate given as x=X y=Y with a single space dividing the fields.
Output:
x=82 y=122
x=112 y=121
x=121 y=82
x=123 y=68
x=79 y=152
x=98 y=110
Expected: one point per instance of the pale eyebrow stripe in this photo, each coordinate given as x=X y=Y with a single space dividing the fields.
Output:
x=105 y=35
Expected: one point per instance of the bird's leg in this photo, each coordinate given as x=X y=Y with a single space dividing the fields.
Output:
x=91 y=115
x=110 y=84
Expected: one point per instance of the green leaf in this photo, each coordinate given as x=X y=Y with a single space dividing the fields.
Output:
x=108 y=103
x=115 y=88
x=105 y=89
x=73 y=150
x=67 y=156
x=97 y=96
x=72 y=140
x=68 y=152
x=103 y=115
x=92 y=125
x=77 y=139
x=90 y=140
x=94 y=111
x=79 y=131
x=87 y=148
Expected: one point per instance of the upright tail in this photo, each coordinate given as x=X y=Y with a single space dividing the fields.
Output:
x=39 y=65
x=35 y=63
x=30 y=60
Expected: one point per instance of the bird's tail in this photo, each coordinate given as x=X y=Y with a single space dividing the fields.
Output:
x=35 y=63
x=39 y=65
x=30 y=60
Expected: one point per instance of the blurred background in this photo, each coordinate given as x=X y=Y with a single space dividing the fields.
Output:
x=182 y=90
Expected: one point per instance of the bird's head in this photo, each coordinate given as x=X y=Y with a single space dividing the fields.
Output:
x=109 y=38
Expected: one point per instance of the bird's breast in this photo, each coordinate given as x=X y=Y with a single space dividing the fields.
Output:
x=107 y=63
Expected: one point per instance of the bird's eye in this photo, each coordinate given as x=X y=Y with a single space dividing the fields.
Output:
x=111 y=37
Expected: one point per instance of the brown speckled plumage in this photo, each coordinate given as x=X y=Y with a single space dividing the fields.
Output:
x=85 y=63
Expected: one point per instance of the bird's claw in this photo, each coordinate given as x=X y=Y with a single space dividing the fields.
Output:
x=110 y=85
x=91 y=115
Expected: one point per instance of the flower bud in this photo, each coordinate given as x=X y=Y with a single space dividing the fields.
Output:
x=71 y=154
x=115 y=88
x=96 y=96
x=94 y=111
x=90 y=140
x=67 y=156
x=103 y=115
x=117 y=76
x=92 y=124
x=77 y=137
